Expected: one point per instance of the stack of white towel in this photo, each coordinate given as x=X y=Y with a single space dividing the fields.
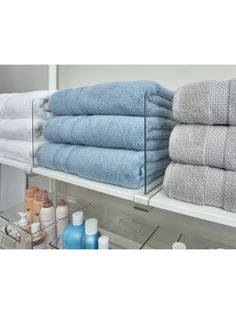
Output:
x=22 y=116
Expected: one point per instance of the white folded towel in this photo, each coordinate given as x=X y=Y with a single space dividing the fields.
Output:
x=21 y=129
x=19 y=105
x=19 y=150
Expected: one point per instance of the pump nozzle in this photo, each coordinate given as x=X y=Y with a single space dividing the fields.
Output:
x=23 y=220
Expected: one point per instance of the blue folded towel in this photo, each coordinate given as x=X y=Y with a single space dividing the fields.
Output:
x=115 y=166
x=109 y=131
x=115 y=98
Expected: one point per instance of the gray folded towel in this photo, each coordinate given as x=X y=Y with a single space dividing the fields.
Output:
x=204 y=145
x=201 y=185
x=206 y=102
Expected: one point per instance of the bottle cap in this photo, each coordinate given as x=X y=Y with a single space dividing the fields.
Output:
x=33 y=188
x=62 y=209
x=179 y=246
x=103 y=243
x=46 y=201
x=91 y=226
x=23 y=220
x=30 y=193
x=62 y=202
x=35 y=228
x=77 y=218
x=39 y=195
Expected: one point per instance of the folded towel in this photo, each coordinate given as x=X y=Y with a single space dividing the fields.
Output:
x=19 y=150
x=21 y=129
x=115 y=166
x=201 y=185
x=116 y=98
x=206 y=145
x=109 y=131
x=207 y=102
x=19 y=105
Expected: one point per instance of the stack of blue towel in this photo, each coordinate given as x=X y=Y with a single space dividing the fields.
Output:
x=98 y=132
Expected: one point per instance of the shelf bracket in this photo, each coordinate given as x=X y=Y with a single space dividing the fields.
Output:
x=29 y=171
x=142 y=208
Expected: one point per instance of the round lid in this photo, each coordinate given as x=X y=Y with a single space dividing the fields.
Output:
x=46 y=201
x=91 y=226
x=77 y=218
x=33 y=188
x=179 y=246
x=23 y=221
x=62 y=202
x=30 y=193
x=35 y=227
x=103 y=242
x=39 y=195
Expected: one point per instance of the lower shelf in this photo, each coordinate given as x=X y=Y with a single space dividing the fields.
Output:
x=217 y=215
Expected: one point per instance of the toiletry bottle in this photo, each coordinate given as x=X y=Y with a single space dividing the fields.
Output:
x=72 y=237
x=38 y=204
x=23 y=222
x=90 y=240
x=179 y=246
x=62 y=217
x=29 y=198
x=38 y=236
x=103 y=243
x=48 y=218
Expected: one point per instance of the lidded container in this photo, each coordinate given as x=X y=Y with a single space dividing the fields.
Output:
x=62 y=217
x=74 y=233
x=38 y=236
x=103 y=243
x=48 y=218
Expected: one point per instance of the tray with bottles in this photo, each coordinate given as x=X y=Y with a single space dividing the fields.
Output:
x=23 y=227
x=123 y=231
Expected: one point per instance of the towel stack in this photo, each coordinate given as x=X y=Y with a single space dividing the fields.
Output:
x=18 y=131
x=204 y=147
x=98 y=132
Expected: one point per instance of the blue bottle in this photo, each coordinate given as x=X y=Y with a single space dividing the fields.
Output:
x=72 y=237
x=90 y=240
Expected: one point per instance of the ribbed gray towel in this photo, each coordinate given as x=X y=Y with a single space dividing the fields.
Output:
x=206 y=102
x=204 y=145
x=201 y=185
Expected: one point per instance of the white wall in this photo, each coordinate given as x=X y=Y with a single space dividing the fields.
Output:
x=23 y=78
x=171 y=76
x=18 y=78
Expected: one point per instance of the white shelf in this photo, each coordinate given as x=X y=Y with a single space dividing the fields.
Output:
x=214 y=214
x=136 y=196
x=14 y=163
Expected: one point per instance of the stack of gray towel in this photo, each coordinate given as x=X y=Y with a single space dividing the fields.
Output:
x=203 y=146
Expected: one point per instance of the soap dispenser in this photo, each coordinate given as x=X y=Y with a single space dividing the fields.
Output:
x=23 y=222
